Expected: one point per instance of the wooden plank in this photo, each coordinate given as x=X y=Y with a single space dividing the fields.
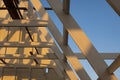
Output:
x=82 y=42
x=23 y=23
x=25 y=56
x=3 y=37
x=1 y=73
x=115 y=65
x=66 y=6
x=8 y=74
x=104 y=55
x=52 y=56
x=49 y=75
x=115 y=4
x=28 y=64
x=78 y=67
x=13 y=36
x=26 y=44
x=38 y=74
x=22 y=74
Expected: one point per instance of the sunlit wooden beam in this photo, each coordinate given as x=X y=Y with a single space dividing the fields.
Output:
x=23 y=23
x=82 y=41
x=115 y=4
x=66 y=6
x=18 y=56
x=26 y=44
x=43 y=64
x=115 y=65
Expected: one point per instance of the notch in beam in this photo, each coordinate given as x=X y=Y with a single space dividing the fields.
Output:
x=66 y=6
x=115 y=4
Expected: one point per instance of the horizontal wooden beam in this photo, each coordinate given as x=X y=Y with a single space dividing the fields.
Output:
x=115 y=65
x=23 y=23
x=104 y=55
x=78 y=55
x=115 y=4
x=43 y=64
x=25 y=56
x=26 y=44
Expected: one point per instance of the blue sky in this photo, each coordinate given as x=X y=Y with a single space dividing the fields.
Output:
x=100 y=23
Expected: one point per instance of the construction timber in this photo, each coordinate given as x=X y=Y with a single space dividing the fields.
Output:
x=29 y=52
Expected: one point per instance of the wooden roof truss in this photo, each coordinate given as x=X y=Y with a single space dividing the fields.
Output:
x=27 y=50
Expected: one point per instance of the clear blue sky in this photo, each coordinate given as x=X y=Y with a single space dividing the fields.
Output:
x=100 y=23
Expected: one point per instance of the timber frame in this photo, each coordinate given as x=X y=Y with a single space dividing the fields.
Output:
x=28 y=51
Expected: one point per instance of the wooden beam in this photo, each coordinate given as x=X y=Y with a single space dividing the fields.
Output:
x=69 y=54
x=115 y=65
x=82 y=41
x=104 y=55
x=66 y=6
x=25 y=56
x=115 y=4
x=65 y=36
x=43 y=64
x=23 y=23
x=26 y=44
x=80 y=56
